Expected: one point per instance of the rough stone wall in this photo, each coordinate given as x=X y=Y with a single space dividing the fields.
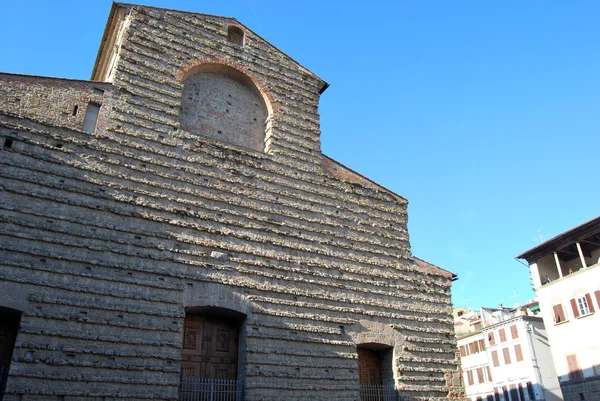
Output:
x=588 y=387
x=106 y=239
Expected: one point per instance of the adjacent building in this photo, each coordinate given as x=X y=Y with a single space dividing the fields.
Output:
x=566 y=276
x=508 y=359
x=171 y=230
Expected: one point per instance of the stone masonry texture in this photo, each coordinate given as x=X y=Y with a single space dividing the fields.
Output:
x=107 y=238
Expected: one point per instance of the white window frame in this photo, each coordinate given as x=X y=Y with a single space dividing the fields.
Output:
x=582 y=306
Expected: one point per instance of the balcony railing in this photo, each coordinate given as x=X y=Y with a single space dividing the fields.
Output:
x=377 y=392
x=206 y=389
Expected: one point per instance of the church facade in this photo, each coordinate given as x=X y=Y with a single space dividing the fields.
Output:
x=171 y=230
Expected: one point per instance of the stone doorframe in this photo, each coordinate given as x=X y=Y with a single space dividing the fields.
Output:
x=227 y=301
x=366 y=332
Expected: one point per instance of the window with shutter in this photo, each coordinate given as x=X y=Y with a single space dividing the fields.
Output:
x=597 y=293
x=489 y=373
x=518 y=352
x=502 y=334
x=470 y=377
x=588 y=298
x=491 y=338
x=514 y=332
x=481 y=345
x=480 y=375
x=574 y=307
x=495 y=360
x=463 y=353
x=506 y=354
x=559 y=314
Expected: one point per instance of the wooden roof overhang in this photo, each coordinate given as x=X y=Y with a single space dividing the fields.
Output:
x=565 y=244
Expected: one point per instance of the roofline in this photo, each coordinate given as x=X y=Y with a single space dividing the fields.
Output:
x=116 y=5
x=511 y=320
x=454 y=276
x=107 y=29
x=57 y=78
x=565 y=238
x=368 y=179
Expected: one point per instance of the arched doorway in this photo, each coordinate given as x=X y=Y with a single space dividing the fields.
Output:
x=210 y=355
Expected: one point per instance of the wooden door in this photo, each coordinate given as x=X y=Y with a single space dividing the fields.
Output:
x=210 y=347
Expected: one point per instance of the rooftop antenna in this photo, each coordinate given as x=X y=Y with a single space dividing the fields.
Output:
x=541 y=238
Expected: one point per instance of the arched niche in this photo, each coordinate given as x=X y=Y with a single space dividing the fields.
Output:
x=221 y=102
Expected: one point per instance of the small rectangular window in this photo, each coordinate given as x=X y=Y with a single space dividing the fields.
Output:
x=506 y=354
x=502 y=334
x=514 y=332
x=582 y=306
x=480 y=375
x=559 y=314
x=495 y=360
x=491 y=338
x=518 y=352
x=91 y=117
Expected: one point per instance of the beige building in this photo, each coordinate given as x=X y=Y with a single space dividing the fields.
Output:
x=508 y=358
x=171 y=230
x=566 y=275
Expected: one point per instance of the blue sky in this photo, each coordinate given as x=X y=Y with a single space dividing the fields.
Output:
x=484 y=115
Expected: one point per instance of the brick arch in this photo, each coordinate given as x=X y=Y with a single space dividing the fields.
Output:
x=231 y=69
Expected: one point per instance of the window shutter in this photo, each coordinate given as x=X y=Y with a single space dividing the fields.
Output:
x=559 y=315
x=502 y=335
x=506 y=354
x=462 y=351
x=495 y=360
x=491 y=338
x=574 y=307
x=489 y=373
x=589 y=301
x=519 y=352
x=597 y=293
x=574 y=370
x=470 y=377
x=514 y=332
x=480 y=375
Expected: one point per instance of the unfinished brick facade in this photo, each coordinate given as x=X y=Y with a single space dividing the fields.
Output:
x=201 y=191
